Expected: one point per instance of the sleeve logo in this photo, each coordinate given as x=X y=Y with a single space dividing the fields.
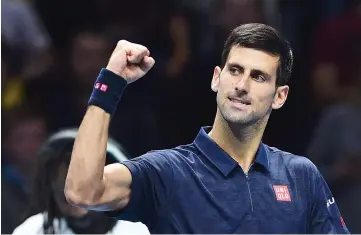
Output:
x=330 y=202
x=342 y=222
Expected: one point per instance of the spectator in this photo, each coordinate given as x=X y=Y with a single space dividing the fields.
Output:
x=331 y=56
x=65 y=93
x=56 y=215
x=336 y=146
x=27 y=37
x=25 y=130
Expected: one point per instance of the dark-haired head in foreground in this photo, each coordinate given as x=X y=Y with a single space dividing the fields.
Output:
x=49 y=196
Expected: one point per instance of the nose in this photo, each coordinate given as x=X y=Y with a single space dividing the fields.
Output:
x=243 y=84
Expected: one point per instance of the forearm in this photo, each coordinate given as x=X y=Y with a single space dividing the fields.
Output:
x=88 y=183
x=86 y=170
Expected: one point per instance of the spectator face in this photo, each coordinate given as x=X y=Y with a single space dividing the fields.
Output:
x=25 y=139
x=89 y=54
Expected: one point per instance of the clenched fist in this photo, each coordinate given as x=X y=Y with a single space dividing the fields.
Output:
x=130 y=61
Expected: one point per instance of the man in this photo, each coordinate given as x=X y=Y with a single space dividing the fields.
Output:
x=55 y=215
x=227 y=180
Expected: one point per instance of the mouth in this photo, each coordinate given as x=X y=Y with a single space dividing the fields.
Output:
x=239 y=100
x=238 y=103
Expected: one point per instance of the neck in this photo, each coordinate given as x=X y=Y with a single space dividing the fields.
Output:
x=240 y=142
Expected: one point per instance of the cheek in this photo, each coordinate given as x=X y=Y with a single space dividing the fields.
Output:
x=265 y=97
x=222 y=94
x=226 y=86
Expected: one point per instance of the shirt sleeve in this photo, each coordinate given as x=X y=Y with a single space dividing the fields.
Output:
x=152 y=176
x=326 y=217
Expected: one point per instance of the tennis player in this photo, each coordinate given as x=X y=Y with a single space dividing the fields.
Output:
x=227 y=180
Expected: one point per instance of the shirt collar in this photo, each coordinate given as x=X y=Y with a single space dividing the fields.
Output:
x=219 y=158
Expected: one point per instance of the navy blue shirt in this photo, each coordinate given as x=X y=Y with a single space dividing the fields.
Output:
x=199 y=188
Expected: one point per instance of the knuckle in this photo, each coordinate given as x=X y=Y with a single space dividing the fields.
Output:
x=135 y=52
x=122 y=42
x=144 y=49
x=139 y=52
x=141 y=48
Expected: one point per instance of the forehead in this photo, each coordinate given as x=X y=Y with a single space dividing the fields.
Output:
x=253 y=59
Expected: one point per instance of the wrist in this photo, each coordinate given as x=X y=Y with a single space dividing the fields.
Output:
x=115 y=71
x=107 y=91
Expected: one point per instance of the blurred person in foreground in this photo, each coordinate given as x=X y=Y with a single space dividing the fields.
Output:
x=227 y=180
x=336 y=145
x=56 y=215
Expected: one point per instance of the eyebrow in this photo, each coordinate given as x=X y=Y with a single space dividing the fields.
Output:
x=253 y=71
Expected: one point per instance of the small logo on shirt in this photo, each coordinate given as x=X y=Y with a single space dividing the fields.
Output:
x=282 y=193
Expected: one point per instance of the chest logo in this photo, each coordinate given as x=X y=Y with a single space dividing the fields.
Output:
x=282 y=193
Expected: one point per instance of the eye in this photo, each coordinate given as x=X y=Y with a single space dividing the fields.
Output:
x=259 y=77
x=234 y=71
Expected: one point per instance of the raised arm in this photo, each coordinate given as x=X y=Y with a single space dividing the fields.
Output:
x=89 y=184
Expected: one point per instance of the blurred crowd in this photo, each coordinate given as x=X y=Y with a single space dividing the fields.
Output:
x=52 y=52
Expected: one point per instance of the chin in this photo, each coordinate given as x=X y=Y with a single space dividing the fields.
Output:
x=239 y=120
x=238 y=117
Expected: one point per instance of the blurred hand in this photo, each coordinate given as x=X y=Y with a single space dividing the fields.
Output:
x=130 y=61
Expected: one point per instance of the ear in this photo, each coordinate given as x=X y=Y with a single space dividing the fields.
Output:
x=216 y=78
x=280 y=97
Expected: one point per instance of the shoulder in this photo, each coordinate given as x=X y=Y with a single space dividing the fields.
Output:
x=165 y=162
x=127 y=227
x=291 y=162
x=151 y=164
x=156 y=158
x=167 y=156
x=32 y=225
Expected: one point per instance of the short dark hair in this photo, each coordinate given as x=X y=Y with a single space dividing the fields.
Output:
x=264 y=38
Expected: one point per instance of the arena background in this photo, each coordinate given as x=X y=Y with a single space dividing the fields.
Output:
x=52 y=51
